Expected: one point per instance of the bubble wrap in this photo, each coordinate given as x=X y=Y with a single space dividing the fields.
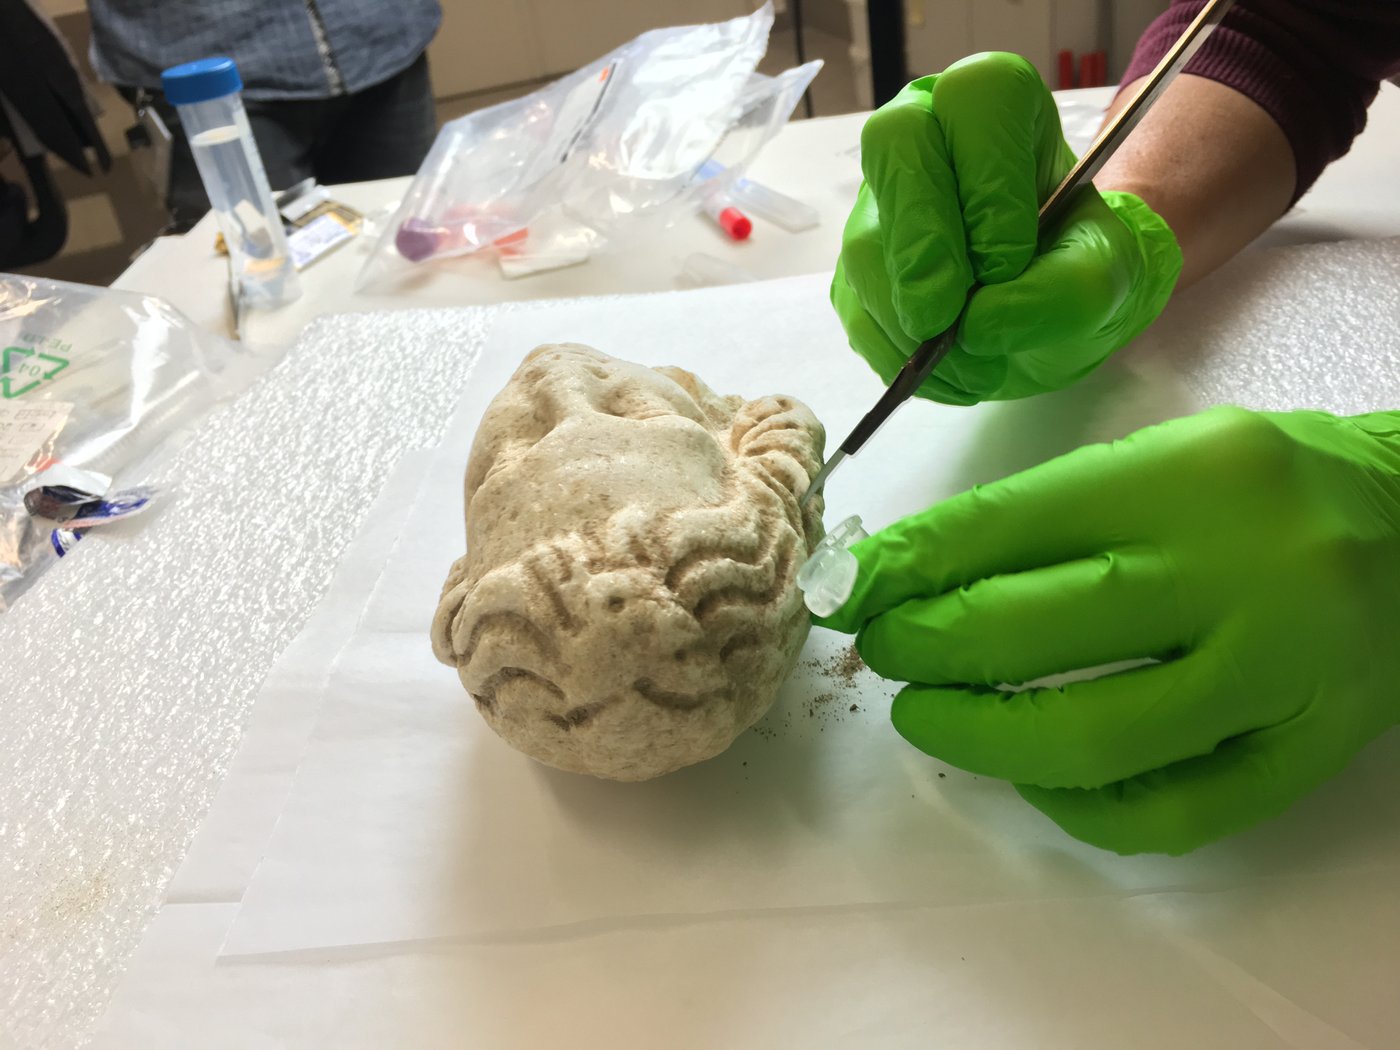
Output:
x=126 y=676
x=1280 y=328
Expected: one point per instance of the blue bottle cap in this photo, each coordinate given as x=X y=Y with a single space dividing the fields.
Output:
x=200 y=81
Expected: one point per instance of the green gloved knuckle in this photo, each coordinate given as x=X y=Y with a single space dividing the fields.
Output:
x=863 y=222
x=903 y=644
x=987 y=78
x=1060 y=303
x=928 y=285
x=863 y=261
x=935 y=388
x=891 y=138
x=839 y=288
x=1161 y=257
x=1242 y=447
x=966 y=380
x=865 y=335
x=998 y=324
x=992 y=110
x=914 y=713
x=1385 y=428
x=947 y=724
x=996 y=263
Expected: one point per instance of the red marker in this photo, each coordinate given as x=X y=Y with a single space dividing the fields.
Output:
x=729 y=218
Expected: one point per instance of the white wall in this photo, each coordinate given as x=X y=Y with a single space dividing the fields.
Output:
x=941 y=31
x=483 y=45
x=1130 y=18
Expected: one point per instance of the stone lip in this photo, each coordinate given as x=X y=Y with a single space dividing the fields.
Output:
x=628 y=604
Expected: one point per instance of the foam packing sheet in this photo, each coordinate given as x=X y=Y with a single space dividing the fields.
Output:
x=821 y=807
x=229 y=842
x=128 y=674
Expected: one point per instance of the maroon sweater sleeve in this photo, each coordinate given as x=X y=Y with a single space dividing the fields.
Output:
x=1312 y=65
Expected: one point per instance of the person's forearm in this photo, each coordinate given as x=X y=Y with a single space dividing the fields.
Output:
x=1212 y=163
x=1277 y=93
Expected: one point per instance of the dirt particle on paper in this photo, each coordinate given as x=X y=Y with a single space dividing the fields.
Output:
x=848 y=665
x=841 y=668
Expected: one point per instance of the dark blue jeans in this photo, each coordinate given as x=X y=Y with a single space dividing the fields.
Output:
x=377 y=133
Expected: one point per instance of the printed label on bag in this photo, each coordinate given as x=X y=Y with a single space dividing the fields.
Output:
x=25 y=427
x=308 y=243
x=577 y=111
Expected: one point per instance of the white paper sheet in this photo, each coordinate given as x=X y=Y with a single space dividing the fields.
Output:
x=1268 y=966
x=410 y=822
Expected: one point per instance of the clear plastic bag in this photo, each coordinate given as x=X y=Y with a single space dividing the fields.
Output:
x=94 y=379
x=550 y=179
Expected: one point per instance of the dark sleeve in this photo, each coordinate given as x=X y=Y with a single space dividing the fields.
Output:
x=1312 y=65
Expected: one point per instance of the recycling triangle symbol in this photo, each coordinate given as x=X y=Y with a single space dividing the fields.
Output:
x=17 y=384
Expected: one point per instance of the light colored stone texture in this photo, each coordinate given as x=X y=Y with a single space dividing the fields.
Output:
x=627 y=604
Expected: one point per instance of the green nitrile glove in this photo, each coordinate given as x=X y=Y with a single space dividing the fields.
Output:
x=956 y=167
x=1257 y=556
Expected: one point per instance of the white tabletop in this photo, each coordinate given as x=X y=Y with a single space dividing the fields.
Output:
x=815 y=161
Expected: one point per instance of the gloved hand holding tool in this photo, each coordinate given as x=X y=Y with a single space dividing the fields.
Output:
x=1249 y=563
x=956 y=167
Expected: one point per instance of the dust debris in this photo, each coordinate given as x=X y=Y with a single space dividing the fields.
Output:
x=849 y=665
x=834 y=693
x=840 y=669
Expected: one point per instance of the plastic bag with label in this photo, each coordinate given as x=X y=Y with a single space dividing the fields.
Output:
x=96 y=380
x=550 y=179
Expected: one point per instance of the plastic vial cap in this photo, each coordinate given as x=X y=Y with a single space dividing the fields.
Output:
x=200 y=81
x=735 y=223
x=417 y=239
x=827 y=577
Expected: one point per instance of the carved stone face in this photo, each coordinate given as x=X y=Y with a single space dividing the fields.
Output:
x=627 y=604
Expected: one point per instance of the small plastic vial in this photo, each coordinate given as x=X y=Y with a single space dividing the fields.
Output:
x=206 y=95
x=827 y=577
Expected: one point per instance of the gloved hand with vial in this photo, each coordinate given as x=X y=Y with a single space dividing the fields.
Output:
x=1253 y=558
x=955 y=168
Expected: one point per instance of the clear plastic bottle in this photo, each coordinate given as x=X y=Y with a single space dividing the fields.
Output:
x=206 y=95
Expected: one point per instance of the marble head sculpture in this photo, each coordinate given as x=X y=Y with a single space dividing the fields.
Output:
x=627 y=604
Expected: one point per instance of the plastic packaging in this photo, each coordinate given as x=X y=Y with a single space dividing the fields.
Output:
x=608 y=151
x=826 y=578
x=206 y=95
x=92 y=379
x=699 y=270
x=756 y=199
x=731 y=220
